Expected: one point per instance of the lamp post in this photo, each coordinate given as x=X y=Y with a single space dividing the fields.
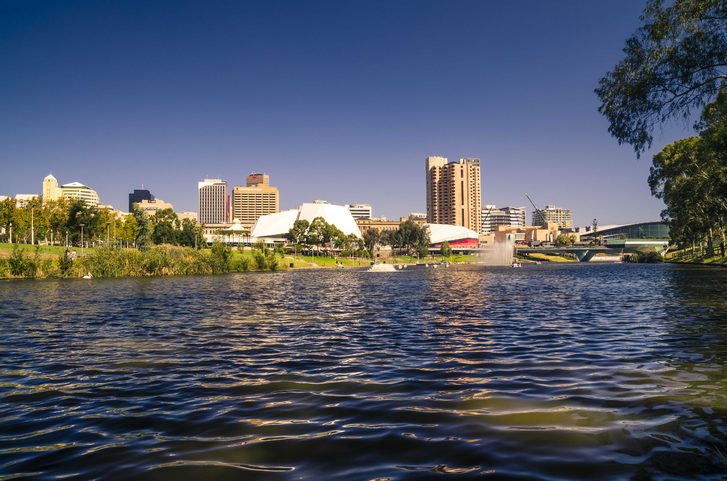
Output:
x=11 y=232
x=81 y=225
x=32 y=225
x=108 y=229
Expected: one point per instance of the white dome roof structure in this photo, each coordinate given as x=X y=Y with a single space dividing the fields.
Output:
x=278 y=225
x=439 y=233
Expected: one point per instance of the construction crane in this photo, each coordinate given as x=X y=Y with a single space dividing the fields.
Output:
x=533 y=204
x=487 y=215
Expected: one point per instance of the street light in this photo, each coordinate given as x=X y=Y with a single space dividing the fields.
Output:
x=81 y=225
x=108 y=227
x=11 y=232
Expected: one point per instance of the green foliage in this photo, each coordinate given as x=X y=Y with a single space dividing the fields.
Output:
x=272 y=261
x=143 y=236
x=21 y=265
x=646 y=258
x=260 y=259
x=412 y=237
x=690 y=176
x=446 y=250
x=65 y=263
x=674 y=62
x=564 y=240
x=372 y=239
x=220 y=255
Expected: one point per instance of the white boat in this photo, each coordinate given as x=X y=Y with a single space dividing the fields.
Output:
x=516 y=264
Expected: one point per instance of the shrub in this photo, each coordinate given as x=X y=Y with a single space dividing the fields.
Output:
x=272 y=261
x=220 y=257
x=260 y=260
x=21 y=266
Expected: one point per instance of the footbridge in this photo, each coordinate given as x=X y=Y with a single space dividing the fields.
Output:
x=609 y=246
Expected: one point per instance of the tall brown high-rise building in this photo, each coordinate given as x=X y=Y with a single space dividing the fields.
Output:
x=453 y=192
x=257 y=198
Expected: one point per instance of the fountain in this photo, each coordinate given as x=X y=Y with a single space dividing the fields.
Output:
x=500 y=254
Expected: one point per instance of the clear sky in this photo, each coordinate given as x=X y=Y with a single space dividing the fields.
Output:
x=338 y=100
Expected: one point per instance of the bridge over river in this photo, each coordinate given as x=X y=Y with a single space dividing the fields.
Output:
x=609 y=246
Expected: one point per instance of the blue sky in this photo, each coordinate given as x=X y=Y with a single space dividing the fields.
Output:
x=335 y=100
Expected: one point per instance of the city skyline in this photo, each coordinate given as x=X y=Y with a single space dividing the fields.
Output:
x=336 y=102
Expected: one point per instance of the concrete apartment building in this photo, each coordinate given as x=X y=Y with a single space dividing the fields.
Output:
x=213 y=200
x=553 y=214
x=492 y=217
x=360 y=211
x=71 y=191
x=256 y=199
x=454 y=194
x=151 y=207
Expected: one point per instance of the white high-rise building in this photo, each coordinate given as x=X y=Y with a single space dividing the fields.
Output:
x=360 y=211
x=562 y=217
x=213 y=200
x=492 y=217
x=78 y=191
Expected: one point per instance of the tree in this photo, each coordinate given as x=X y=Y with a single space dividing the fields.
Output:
x=412 y=237
x=676 y=61
x=690 y=176
x=165 y=227
x=563 y=240
x=446 y=250
x=371 y=241
x=299 y=232
x=143 y=229
x=190 y=234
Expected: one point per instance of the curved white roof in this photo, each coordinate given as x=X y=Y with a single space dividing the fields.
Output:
x=76 y=185
x=337 y=215
x=443 y=232
x=278 y=225
x=274 y=225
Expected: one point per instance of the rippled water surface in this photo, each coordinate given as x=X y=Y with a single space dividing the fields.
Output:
x=545 y=372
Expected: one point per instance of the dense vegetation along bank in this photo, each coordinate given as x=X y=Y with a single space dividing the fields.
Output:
x=696 y=256
x=40 y=262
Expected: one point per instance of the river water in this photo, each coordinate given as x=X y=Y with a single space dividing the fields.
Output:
x=599 y=372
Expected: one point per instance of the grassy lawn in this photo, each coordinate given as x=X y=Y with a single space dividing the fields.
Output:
x=537 y=256
x=45 y=251
x=690 y=256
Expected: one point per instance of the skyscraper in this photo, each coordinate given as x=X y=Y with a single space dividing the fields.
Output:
x=453 y=192
x=212 y=195
x=257 y=198
x=137 y=196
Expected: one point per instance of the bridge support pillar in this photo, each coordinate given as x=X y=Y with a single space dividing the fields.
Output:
x=585 y=255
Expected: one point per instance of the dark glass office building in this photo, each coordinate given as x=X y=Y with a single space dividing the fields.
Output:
x=137 y=196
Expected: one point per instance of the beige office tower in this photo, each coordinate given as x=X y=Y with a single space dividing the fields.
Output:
x=51 y=191
x=257 y=198
x=453 y=192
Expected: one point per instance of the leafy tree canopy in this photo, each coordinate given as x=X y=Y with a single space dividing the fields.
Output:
x=676 y=61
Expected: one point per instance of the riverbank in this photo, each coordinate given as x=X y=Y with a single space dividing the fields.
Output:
x=696 y=257
x=22 y=261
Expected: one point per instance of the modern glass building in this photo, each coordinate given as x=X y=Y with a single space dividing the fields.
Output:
x=643 y=230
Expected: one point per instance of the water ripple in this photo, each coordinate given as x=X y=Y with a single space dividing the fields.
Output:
x=547 y=372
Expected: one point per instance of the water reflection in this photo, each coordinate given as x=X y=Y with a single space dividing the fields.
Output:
x=545 y=372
